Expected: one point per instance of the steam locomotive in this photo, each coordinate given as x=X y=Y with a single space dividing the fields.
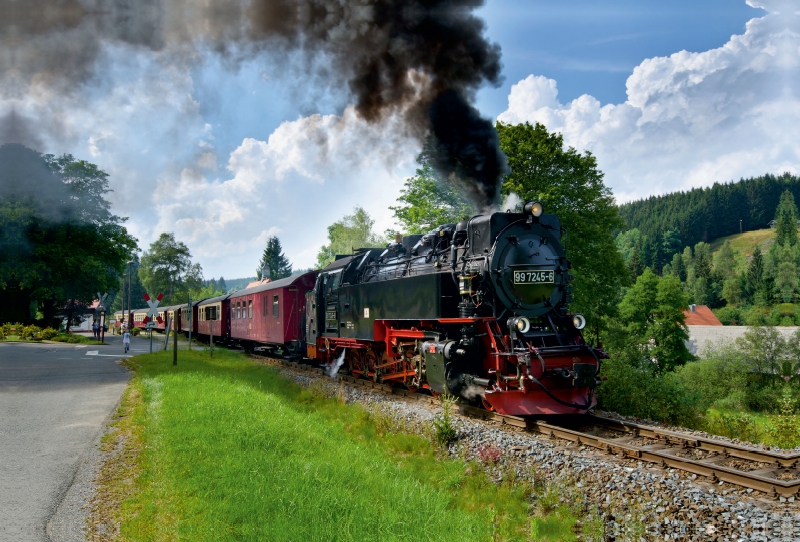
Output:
x=476 y=309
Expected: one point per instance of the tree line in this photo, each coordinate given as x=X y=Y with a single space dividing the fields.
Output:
x=763 y=291
x=667 y=223
x=60 y=245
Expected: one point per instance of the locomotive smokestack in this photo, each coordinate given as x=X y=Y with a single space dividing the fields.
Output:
x=421 y=59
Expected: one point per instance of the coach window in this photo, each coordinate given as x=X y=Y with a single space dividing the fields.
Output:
x=250 y=308
x=275 y=308
x=266 y=303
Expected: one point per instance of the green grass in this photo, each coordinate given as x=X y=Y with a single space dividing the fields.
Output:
x=750 y=426
x=229 y=450
x=743 y=245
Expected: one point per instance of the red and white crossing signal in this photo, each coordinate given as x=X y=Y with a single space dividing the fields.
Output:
x=153 y=303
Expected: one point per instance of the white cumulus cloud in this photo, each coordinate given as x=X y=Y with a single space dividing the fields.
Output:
x=691 y=119
x=309 y=173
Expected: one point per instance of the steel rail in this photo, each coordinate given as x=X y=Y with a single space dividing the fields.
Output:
x=775 y=473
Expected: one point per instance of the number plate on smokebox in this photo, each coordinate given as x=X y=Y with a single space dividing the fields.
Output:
x=534 y=277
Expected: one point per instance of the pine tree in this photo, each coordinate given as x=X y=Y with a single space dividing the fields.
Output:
x=702 y=260
x=786 y=282
x=222 y=286
x=755 y=274
x=635 y=265
x=279 y=266
x=786 y=218
x=678 y=267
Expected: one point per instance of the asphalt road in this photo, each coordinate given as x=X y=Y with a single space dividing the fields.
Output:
x=54 y=400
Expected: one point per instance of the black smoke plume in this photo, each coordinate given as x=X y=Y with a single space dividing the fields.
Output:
x=422 y=59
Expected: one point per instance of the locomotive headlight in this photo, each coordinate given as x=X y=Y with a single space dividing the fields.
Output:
x=520 y=324
x=535 y=208
x=579 y=321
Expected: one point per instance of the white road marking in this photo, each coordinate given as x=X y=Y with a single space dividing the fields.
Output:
x=81 y=346
x=97 y=353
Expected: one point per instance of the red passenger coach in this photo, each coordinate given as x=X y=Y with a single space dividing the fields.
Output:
x=271 y=316
x=184 y=322
x=213 y=318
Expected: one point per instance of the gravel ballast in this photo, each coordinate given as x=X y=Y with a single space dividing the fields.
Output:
x=634 y=500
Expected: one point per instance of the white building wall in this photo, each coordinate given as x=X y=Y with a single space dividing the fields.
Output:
x=701 y=336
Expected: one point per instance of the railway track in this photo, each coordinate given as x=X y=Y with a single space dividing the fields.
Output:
x=774 y=473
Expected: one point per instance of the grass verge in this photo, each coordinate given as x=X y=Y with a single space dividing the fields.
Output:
x=72 y=339
x=224 y=449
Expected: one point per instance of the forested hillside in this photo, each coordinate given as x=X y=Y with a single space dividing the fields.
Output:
x=670 y=222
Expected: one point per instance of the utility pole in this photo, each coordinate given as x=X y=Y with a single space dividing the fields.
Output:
x=740 y=226
x=175 y=339
x=130 y=313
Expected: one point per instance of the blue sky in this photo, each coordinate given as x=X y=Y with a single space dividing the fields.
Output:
x=591 y=47
x=667 y=95
x=588 y=47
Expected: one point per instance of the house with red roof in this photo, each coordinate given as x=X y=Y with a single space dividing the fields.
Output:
x=700 y=315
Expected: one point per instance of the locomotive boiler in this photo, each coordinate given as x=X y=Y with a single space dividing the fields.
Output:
x=477 y=309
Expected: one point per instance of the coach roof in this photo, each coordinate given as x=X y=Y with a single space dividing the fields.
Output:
x=272 y=285
x=214 y=300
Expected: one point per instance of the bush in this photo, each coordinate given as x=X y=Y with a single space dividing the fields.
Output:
x=763 y=397
x=783 y=314
x=30 y=332
x=754 y=316
x=443 y=425
x=48 y=333
x=5 y=330
x=722 y=372
x=738 y=425
x=135 y=332
x=729 y=316
x=634 y=388
x=785 y=430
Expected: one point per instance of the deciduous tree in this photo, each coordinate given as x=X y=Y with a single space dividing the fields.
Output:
x=651 y=315
x=348 y=234
x=569 y=184
x=60 y=243
x=428 y=201
x=167 y=268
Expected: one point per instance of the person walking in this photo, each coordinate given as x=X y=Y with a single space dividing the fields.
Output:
x=96 y=329
x=126 y=338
